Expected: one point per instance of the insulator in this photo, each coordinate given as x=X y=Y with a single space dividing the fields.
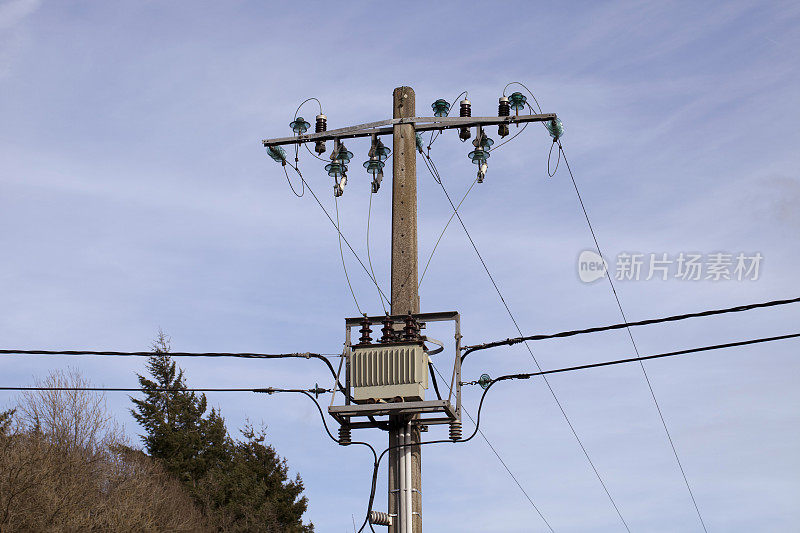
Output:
x=299 y=125
x=485 y=381
x=335 y=169
x=341 y=154
x=440 y=108
x=420 y=144
x=377 y=518
x=503 y=110
x=322 y=125
x=387 y=330
x=411 y=330
x=345 y=437
x=465 y=110
x=556 y=128
x=277 y=153
x=455 y=430
x=365 y=332
x=517 y=101
x=479 y=156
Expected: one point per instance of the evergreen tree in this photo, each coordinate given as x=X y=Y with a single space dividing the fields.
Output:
x=188 y=443
x=241 y=486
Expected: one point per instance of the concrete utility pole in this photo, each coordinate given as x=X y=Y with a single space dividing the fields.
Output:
x=377 y=393
x=405 y=293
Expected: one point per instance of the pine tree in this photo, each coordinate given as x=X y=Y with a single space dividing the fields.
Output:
x=241 y=486
x=188 y=443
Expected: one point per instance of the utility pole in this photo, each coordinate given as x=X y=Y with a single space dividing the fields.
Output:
x=404 y=291
x=388 y=378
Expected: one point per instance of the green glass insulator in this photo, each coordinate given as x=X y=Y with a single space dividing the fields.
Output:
x=277 y=153
x=299 y=125
x=556 y=128
x=343 y=155
x=478 y=156
x=374 y=166
x=382 y=151
x=484 y=381
x=335 y=169
x=441 y=108
x=420 y=146
x=486 y=142
x=517 y=101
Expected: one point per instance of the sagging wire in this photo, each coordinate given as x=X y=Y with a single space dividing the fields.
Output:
x=341 y=253
x=369 y=257
x=304 y=102
x=558 y=161
x=502 y=462
x=336 y=226
x=535 y=360
x=360 y=443
x=526 y=88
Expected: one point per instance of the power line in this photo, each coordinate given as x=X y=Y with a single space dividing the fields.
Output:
x=341 y=253
x=643 y=358
x=369 y=257
x=265 y=390
x=307 y=186
x=630 y=333
x=246 y=355
x=673 y=318
x=431 y=169
x=495 y=452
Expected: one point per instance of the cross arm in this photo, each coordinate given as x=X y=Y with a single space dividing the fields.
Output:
x=386 y=127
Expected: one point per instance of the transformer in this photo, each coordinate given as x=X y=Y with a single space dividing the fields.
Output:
x=392 y=371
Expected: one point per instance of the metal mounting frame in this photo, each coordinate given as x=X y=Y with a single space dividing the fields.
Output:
x=386 y=127
x=431 y=412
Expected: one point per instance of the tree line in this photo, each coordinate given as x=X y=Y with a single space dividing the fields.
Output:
x=65 y=464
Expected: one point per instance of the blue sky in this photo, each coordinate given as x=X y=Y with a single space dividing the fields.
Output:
x=136 y=195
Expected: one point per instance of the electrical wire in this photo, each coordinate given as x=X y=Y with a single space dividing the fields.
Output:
x=435 y=134
x=645 y=358
x=526 y=88
x=444 y=229
x=245 y=355
x=308 y=100
x=558 y=161
x=369 y=257
x=633 y=342
x=265 y=390
x=341 y=253
x=431 y=169
x=495 y=452
x=381 y=293
x=672 y=318
x=302 y=183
